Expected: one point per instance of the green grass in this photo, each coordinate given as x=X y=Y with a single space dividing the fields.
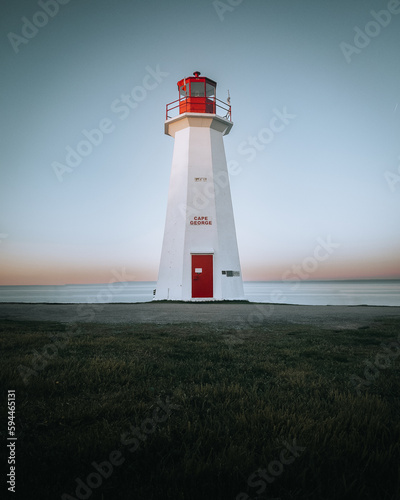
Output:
x=238 y=394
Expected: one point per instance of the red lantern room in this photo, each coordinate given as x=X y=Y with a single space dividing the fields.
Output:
x=197 y=95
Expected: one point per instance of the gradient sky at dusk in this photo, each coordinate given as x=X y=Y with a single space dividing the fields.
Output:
x=331 y=172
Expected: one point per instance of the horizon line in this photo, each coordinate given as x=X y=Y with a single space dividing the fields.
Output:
x=244 y=281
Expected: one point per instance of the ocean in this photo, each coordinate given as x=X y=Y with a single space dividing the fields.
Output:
x=360 y=292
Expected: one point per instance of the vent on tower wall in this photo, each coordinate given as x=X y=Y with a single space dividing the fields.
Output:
x=229 y=274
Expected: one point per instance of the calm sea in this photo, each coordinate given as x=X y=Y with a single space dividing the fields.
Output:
x=374 y=292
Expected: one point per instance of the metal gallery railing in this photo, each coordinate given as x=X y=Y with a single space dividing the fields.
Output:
x=198 y=105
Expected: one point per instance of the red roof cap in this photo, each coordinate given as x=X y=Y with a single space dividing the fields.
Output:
x=197 y=77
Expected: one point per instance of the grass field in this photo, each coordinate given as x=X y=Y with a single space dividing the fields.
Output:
x=192 y=411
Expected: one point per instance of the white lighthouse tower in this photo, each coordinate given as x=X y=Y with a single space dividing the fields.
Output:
x=199 y=258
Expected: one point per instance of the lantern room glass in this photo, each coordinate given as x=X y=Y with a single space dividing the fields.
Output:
x=197 y=89
x=210 y=90
x=183 y=91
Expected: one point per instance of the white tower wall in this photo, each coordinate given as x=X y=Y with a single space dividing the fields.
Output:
x=199 y=188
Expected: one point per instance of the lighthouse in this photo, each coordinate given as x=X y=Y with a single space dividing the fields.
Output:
x=199 y=257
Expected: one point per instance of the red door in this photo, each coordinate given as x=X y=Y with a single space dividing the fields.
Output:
x=202 y=276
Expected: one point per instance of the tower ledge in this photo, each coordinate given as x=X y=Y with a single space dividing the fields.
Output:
x=208 y=120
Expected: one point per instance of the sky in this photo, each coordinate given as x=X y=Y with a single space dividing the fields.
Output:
x=318 y=198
